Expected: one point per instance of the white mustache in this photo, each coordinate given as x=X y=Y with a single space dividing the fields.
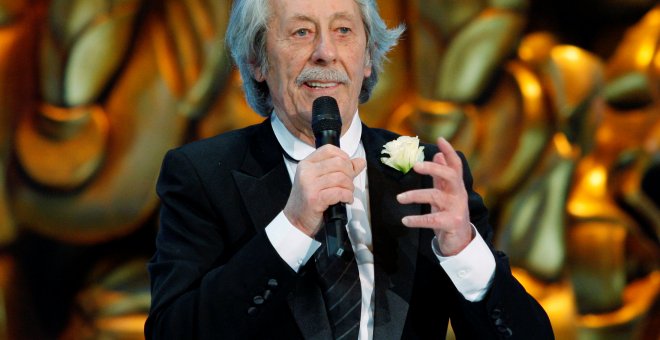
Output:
x=321 y=74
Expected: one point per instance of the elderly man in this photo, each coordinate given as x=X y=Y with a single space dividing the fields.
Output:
x=239 y=254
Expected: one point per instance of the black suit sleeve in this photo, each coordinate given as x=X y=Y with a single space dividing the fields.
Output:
x=507 y=311
x=201 y=288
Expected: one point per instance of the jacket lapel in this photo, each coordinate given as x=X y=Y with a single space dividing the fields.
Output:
x=263 y=181
x=394 y=245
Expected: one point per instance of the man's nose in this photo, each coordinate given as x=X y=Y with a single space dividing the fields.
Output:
x=325 y=50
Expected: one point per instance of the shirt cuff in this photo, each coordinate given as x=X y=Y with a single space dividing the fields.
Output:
x=294 y=246
x=472 y=270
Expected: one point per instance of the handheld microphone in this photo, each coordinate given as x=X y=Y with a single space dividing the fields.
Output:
x=326 y=125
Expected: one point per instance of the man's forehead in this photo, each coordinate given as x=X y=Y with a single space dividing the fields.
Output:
x=333 y=16
x=311 y=9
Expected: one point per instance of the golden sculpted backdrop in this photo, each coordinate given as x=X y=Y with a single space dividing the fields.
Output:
x=556 y=104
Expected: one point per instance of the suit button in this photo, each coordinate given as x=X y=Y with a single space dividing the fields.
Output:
x=267 y=294
x=252 y=311
x=258 y=300
x=496 y=313
x=272 y=283
x=505 y=331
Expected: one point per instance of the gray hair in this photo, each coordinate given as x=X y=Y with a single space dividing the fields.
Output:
x=246 y=40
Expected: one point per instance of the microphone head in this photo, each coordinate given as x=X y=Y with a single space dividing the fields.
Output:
x=325 y=115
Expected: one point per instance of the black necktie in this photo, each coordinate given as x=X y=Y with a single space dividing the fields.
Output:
x=340 y=284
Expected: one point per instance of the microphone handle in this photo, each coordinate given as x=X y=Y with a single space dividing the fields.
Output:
x=324 y=137
x=334 y=217
x=335 y=231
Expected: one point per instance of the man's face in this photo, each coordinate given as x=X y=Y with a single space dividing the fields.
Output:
x=315 y=48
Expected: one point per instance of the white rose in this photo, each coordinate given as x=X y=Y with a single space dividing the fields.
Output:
x=404 y=153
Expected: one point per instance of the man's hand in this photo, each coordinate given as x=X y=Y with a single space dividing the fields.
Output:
x=450 y=216
x=322 y=179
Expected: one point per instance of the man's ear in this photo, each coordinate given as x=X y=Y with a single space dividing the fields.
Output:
x=367 y=65
x=256 y=73
x=367 y=70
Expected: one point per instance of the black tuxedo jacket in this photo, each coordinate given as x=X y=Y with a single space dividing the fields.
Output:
x=215 y=274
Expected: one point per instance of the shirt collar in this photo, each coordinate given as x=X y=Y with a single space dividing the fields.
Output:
x=299 y=150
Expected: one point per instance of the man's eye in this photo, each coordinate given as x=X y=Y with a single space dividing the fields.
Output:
x=301 y=32
x=344 y=30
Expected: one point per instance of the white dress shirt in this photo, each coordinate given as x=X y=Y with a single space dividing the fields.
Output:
x=471 y=270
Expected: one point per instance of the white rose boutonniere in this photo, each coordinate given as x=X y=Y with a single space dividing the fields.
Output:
x=404 y=153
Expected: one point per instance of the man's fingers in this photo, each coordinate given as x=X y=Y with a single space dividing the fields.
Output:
x=334 y=179
x=335 y=164
x=451 y=157
x=446 y=167
x=327 y=181
x=440 y=158
x=420 y=196
x=443 y=175
x=331 y=161
x=446 y=221
x=433 y=221
x=435 y=170
x=338 y=187
x=335 y=195
x=325 y=152
x=322 y=179
x=358 y=165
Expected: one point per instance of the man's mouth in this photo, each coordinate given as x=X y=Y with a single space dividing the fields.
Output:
x=320 y=85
